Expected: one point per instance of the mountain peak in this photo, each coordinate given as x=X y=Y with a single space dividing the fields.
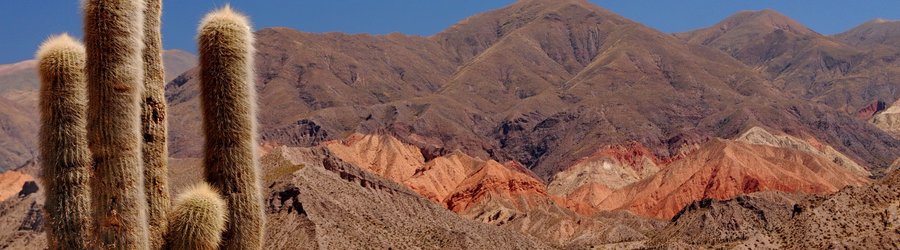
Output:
x=767 y=19
x=880 y=21
x=874 y=32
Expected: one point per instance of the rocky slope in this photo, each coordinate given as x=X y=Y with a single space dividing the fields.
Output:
x=22 y=220
x=329 y=204
x=717 y=223
x=856 y=217
x=316 y=201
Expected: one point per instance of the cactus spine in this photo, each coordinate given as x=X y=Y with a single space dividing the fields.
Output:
x=228 y=101
x=65 y=156
x=197 y=220
x=113 y=35
x=154 y=126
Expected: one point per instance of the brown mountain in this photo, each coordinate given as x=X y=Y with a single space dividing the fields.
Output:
x=877 y=32
x=846 y=76
x=19 y=85
x=544 y=83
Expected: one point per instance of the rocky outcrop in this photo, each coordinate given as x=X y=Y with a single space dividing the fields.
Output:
x=889 y=120
x=868 y=111
x=11 y=182
x=22 y=218
x=711 y=222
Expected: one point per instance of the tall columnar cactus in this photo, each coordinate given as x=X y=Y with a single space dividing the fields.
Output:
x=66 y=160
x=197 y=220
x=154 y=126
x=228 y=101
x=113 y=37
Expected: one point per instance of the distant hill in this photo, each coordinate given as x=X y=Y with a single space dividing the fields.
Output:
x=19 y=85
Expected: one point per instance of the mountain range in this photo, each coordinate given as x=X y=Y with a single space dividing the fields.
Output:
x=555 y=124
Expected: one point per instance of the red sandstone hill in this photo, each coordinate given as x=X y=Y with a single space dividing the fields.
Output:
x=506 y=195
x=510 y=196
x=723 y=169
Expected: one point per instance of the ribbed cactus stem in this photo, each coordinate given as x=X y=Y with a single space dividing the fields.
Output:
x=154 y=126
x=65 y=157
x=229 y=123
x=197 y=220
x=113 y=37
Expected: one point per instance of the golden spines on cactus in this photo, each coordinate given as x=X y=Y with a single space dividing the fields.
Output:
x=65 y=157
x=113 y=38
x=229 y=123
x=197 y=220
x=154 y=126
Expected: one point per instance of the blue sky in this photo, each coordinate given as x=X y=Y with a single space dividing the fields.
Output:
x=25 y=23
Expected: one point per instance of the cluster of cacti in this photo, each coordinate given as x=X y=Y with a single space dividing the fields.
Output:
x=103 y=135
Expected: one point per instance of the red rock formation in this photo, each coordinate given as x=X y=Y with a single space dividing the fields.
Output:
x=611 y=167
x=723 y=169
x=870 y=110
x=11 y=183
x=499 y=182
x=381 y=154
x=439 y=178
x=455 y=180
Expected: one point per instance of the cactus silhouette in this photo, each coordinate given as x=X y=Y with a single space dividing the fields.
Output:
x=229 y=122
x=154 y=126
x=113 y=38
x=63 y=140
x=197 y=220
